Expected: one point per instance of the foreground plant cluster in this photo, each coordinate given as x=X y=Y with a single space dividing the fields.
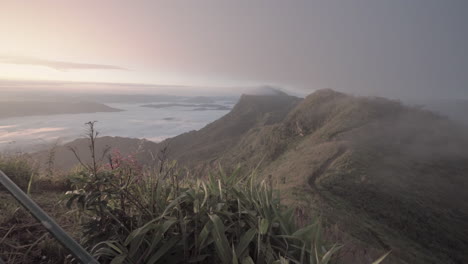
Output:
x=137 y=216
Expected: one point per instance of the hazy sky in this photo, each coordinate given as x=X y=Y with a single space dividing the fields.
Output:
x=396 y=48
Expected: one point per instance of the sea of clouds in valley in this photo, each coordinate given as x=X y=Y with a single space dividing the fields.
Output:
x=31 y=133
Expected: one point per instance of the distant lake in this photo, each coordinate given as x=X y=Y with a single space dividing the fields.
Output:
x=36 y=132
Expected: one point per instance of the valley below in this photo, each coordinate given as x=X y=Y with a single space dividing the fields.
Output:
x=58 y=124
x=382 y=176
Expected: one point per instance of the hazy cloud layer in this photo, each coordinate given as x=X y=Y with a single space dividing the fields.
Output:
x=57 y=65
x=137 y=122
x=395 y=48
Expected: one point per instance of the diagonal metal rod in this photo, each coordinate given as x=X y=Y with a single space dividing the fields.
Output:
x=77 y=251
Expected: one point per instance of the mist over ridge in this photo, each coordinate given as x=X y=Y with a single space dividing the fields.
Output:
x=219 y=131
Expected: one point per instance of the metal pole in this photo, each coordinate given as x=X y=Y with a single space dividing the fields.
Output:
x=77 y=251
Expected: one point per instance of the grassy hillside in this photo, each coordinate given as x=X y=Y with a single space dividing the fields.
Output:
x=210 y=142
x=122 y=212
x=189 y=149
x=399 y=174
x=384 y=176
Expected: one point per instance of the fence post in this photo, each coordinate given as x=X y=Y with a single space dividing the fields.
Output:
x=52 y=227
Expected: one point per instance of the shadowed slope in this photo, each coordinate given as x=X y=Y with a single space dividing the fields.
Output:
x=392 y=176
x=209 y=143
x=398 y=172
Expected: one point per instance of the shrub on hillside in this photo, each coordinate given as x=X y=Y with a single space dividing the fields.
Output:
x=152 y=216
x=132 y=215
x=19 y=168
x=156 y=218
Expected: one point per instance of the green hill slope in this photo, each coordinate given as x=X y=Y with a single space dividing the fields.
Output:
x=389 y=176
x=392 y=176
x=208 y=145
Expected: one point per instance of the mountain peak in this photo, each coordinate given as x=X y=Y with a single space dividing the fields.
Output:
x=266 y=90
x=264 y=104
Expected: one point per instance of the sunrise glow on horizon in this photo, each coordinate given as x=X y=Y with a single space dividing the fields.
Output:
x=84 y=42
x=389 y=48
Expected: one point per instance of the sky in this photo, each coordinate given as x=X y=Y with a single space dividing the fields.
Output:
x=392 y=48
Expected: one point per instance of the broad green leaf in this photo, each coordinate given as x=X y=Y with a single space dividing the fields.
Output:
x=281 y=260
x=245 y=240
x=221 y=242
x=140 y=231
x=327 y=257
x=248 y=260
x=163 y=250
x=204 y=233
x=305 y=232
x=160 y=234
x=381 y=258
x=234 y=256
x=264 y=225
x=119 y=259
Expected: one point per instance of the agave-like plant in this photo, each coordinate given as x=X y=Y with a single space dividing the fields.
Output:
x=225 y=219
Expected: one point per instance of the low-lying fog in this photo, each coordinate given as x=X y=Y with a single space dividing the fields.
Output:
x=151 y=116
x=31 y=133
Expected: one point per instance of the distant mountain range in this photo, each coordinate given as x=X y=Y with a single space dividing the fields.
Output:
x=389 y=176
x=33 y=108
x=196 y=107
